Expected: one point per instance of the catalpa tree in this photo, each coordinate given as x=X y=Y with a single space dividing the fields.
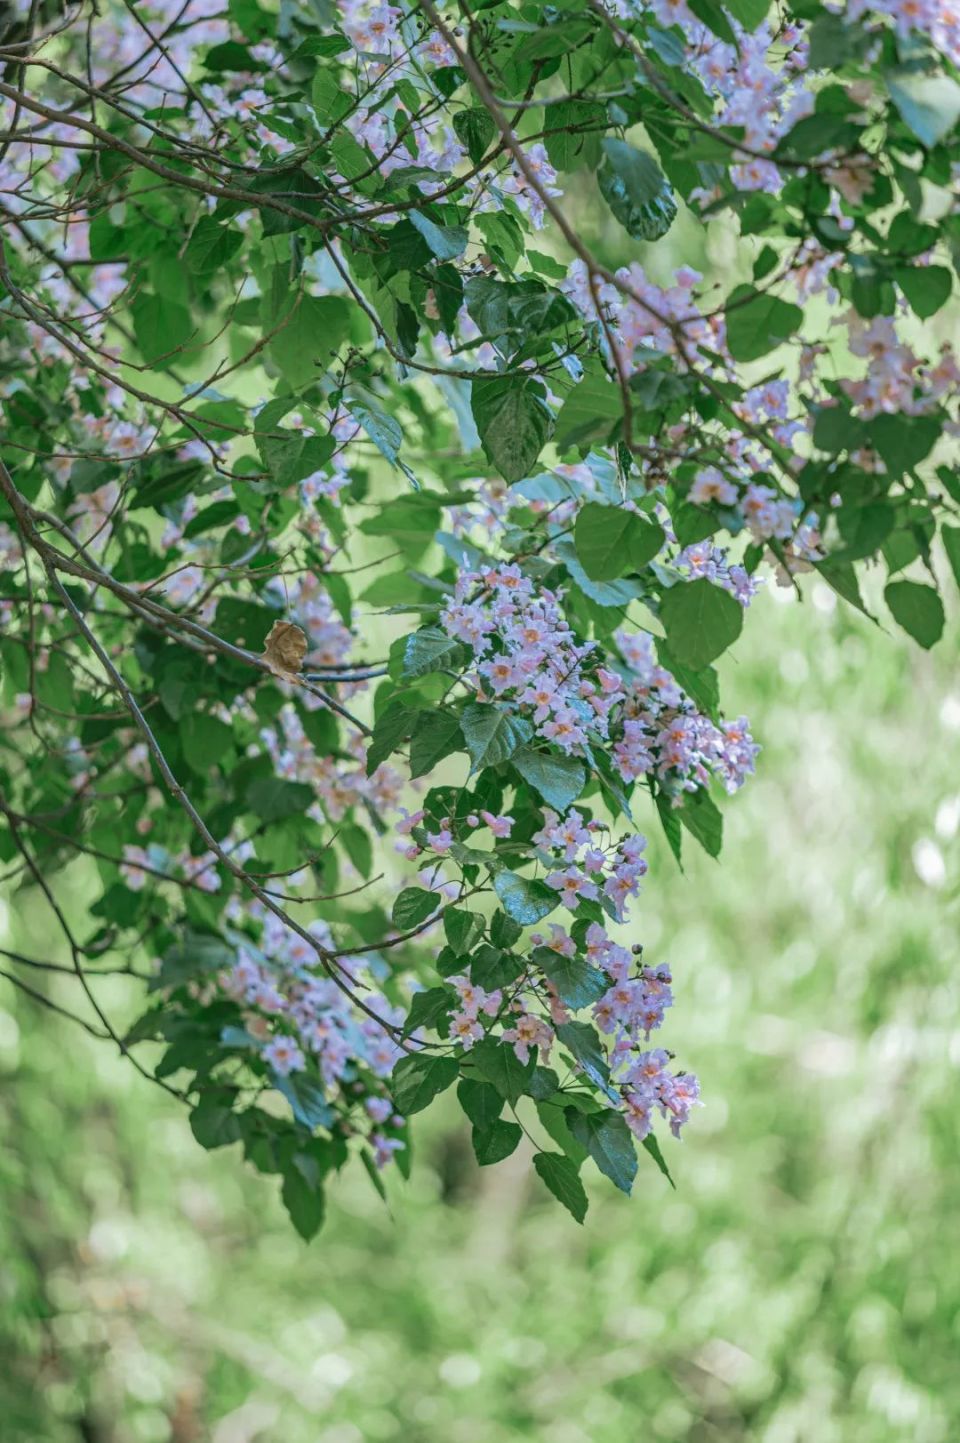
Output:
x=367 y=541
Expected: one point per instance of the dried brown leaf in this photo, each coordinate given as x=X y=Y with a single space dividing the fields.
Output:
x=285 y=648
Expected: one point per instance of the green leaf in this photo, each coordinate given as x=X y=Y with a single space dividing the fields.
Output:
x=600 y=536
x=918 y=609
x=328 y=97
x=758 y=322
x=582 y=1041
x=651 y=1146
x=609 y=1142
x=413 y=906
x=574 y=140
x=670 y=823
x=604 y=593
x=390 y=730
x=592 y=411
x=436 y=735
x=498 y=1064
x=492 y=733
x=843 y=578
x=492 y=968
x=927 y=288
x=713 y=17
x=428 y=1008
x=205 y=740
x=611 y=540
x=161 y=327
x=417 y=1080
x=700 y=620
x=273 y=800
x=309 y=335
x=446 y=242
x=462 y=928
x=558 y=779
x=504 y=931
x=474 y=129
x=430 y=649
x=634 y=188
x=577 y=982
x=703 y=687
x=703 y=819
x=494 y=1143
x=385 y=432
x=523 y=900
x=551 y=1114
x=644 y=540
x=197 y=956
x=513 y=423
x=307 y=1099
x=357 y=845
x=303 y=1198
x=213 y=1121
x=481 y=1102
x=748 y=12
x=903 y=441
x=930 y=104
x=211 y=245
x=951 y=545
x=560 y=1176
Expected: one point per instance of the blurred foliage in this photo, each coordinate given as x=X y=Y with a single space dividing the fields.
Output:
x=798 y=1287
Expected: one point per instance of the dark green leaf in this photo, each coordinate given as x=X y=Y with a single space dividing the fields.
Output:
x=918 y=609
x=430 y=649
x=418 y=1079
x=703 y=819
x=413 y=906
x=303 y=1197
x=634 y=188
x=513 y=423
x=436 y=735
x=481 y=1102
x=498 y=1064
x=474 y=129
x=558 y=779
x=272 y=799
x=446 y=242
x=214 y=1123
x=651 y=1146
x=758 y=322
x=609 y=1142
x=524 y=900
x=700 y=620
x=561 y=1177
x=494 y=1143
x=428 y=1008
x=314 y=329
x=392 y=728
x=582 y=1041
x=577 y=982
x=492 y=733
x=927 y=288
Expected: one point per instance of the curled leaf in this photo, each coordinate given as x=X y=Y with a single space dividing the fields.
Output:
x=285 y=648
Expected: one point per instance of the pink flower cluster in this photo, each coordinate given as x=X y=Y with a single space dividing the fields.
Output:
x=291 y=1016
x=611 y=873
x=665 y=734
x=527 y=654
x=337 y=784
x=200 y=871
x=895 y=381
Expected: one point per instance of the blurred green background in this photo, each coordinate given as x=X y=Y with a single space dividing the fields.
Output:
x=802 y=1285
